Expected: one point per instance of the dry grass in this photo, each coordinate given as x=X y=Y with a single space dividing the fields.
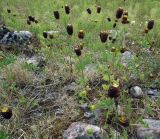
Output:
x=14 y=73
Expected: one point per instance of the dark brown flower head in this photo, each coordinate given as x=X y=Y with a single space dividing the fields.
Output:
x=125 y=12
x=6 y=112
x=28 y=22
x=114 y=91
x=45 y=34
x=123 y=120
x=69 y=29
x=109 y=19
x=110 y=38
x=150 y=24
x=51 y=36
x=31 y=18
x=89 y=11
x=67 y=9
x=113 y=40
x=36 y=21
x=56 y=14
x=114 y=25
x=124 y=18
x=146 y=30
x=103 y=36
x=119 y=12
x=98 y=9
x=123 y=49
x=125 y=22
x=77 y=50
x=8 y=10
x=81 y=34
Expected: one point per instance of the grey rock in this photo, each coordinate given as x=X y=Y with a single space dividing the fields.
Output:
x=84 y=107
x=59 y=112
x=152 y=123
x=92 y=116
x=115 y=134
x=127 y=56
x=93 y=121
x=96 y=117
x=33 y=60
x=47 y=98
x=3 y=31
x=152 y=92
x=19 y=39
x=90 y=71
x=50 y=94
x=34 y=113
x=25 y=35
x=113 y=33
x=90 y=67
x=37 y=114
x=136 y=92
x=44 y=101
x=52 y=32
x=148 y=133
x=152 y=131
x=89 y=115
x=79 y=130
x=71 y=88
x=38 y=61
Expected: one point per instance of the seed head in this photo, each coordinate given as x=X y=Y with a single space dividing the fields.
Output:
x=77 y=50
x=103 y=36
x=119 y=12
x=45 y=34
x=98 y=9
x=114 y=91
x=56 y=14
x=69 y=29
x=6 y=112
x=89 y=11
x=81 y=34
x=150 y=24
x=67 y=9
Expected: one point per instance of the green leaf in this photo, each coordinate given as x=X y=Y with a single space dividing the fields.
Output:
x=105 y=77
x=105 y=87
x=106 y=103
x=83 y=94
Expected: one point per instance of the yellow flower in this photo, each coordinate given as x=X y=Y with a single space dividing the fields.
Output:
x=115 y=85
x=4 y=109
x=92 y=107
x=124 y=120
x=83 y=94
